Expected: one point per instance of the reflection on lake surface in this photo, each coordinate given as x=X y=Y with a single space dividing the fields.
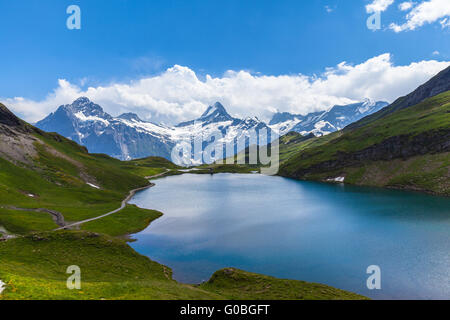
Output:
x=300 y=230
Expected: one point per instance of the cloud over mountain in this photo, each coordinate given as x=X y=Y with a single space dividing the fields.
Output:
x=179 y=94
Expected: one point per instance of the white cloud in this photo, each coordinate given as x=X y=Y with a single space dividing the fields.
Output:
x=178 y=94
x=405 y=6
x=426 y=12
x=329 y=9
x=378 y=6
x=436 y=53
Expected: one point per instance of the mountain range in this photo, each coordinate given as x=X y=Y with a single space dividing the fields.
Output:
x=324 y=122
x=128 y=137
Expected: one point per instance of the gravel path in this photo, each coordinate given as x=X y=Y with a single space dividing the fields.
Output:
x=56 y=216
x=122 y=206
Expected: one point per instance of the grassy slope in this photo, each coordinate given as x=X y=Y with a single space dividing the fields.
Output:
x=225 y=168
x=148 y=166
x=22 y=222
x=238 y=284
x=421 y=172
x=127 y=221
x=34 y=267
x=55 y=181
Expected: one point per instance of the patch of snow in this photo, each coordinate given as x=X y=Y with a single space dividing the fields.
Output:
x=2 y=286
x=337 y=179
x=321 y=124
x=366 y=106
x=284 y=127
x=93 y=185
x=147 y=127
x=80 y=115
x=80 y=135
x=210 y=112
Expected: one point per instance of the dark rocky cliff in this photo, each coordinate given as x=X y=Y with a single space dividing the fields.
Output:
x=397 y=147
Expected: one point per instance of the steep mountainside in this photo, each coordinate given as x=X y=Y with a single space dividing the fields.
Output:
x=408 y=148
x=8 y=118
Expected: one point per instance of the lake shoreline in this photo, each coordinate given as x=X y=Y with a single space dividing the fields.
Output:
x=364 y=189
x=128 y=238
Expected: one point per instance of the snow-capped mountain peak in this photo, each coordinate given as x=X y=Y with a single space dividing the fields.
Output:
x=215 y=110
x=213 y=114
x=86 y=107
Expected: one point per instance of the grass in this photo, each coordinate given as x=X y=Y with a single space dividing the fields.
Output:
x=225 y=168
x=238 y=284
x=23 y=222
x=148 y=166
x=56 y=179
x=131 y=219
x=34 y=267
x=431 y=115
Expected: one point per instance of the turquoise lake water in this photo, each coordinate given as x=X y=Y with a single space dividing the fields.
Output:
x=292 y=229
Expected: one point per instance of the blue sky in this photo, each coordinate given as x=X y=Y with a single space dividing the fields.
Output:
x=124 y=40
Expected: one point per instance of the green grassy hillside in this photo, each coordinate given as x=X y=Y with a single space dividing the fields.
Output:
x=34 y=267
x=238 y=284
x=57 y=179
x=148 y=166
x=405 y=149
